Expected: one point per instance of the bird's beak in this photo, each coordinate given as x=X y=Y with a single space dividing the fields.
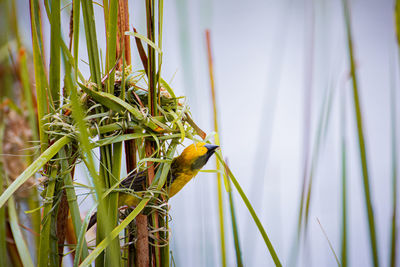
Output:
x=211 y=148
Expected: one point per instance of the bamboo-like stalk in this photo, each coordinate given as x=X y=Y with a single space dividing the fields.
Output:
x=360 y=132
x=116 y=151
x=218 y=167
x=104 y=226
x=152 y=65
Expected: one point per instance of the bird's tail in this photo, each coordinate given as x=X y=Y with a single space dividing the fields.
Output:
x=92 y=221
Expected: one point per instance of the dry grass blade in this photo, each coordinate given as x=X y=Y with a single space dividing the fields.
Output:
x=329 y=242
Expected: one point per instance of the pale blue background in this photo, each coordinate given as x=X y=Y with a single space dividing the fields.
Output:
x=263 y=52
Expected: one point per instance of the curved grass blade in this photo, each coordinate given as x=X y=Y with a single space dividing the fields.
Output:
x=17 y=234
x=34 y=167
x=118 y=105
x=145 y=39
x=252 y=212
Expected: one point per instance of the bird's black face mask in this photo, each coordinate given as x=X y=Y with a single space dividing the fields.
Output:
x=201 y=161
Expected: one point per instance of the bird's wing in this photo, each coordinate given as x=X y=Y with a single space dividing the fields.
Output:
x=135 y=181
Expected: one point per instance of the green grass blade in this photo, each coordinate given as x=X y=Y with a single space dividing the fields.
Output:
x=362 y=147
x=91 y=41
x=17 y=234
x=113 y=102
x=111 y=42
x=146 y=40
x=45 y=257
x=40 y=76
x=28 y=96
x=55 y=49
x=329 y=243
x=235 y=231
x=218 y=166
x=76 y=19
x=72 y=60
x=33 y=168
x=252 y=212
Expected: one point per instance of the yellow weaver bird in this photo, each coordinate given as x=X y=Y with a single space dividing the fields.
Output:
x=183 y=169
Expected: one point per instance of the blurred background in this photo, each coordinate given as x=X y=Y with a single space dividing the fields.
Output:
x=284 y=97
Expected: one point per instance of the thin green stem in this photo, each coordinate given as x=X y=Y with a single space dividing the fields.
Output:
x=235 y=230
x=218 y=166
x=362 y=146
x=252 y=212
